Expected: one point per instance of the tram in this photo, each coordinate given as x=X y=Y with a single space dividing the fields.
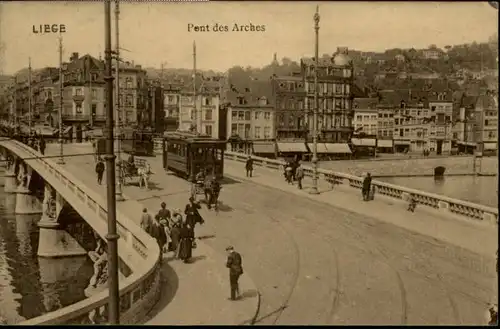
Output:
x=137 y=141
x=186 y=154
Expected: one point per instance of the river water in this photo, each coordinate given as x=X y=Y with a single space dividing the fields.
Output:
x=29 y=285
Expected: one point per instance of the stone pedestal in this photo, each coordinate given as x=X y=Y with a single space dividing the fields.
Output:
x=27 y=203
x=9 y=202
x=54 y=271
x=10 y=182
x=55 y=242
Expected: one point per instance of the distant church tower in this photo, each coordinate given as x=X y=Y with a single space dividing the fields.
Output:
x=275 y=59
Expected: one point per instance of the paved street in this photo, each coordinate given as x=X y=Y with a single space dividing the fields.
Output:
x=183 y=285
x=318 y=264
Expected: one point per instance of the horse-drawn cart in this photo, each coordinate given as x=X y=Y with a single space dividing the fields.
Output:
x=140 y=169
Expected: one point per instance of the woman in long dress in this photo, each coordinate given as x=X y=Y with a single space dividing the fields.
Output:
x=186 y=242
x=175 y=232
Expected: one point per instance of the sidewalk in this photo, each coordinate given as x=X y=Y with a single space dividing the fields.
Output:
x=479 y=237
x=185 y=286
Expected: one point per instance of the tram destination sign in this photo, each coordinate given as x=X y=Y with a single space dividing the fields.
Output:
x=49 y=28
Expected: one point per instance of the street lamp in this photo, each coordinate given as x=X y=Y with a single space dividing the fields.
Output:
x=60 y=161
x=112 y=236
x=314 y=189
x=119 y=194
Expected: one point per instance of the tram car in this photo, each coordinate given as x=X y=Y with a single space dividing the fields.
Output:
x=186 y=154
x=137 y=141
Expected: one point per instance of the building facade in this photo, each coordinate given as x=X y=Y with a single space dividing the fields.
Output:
x=485 y=123
x=411 y=127
x=440 y=119
x=134 y=93
x=335 y=84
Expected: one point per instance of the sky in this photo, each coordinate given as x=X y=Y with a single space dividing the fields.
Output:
x=156 y=33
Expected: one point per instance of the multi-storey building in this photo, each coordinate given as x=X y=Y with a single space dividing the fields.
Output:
x=461 y=119
x=171 y=105
x=42 y=95
x=288 y=97
x=484 y=126
x=411 y=127
x=83 y=101
x=133 y=94
x=441 y=112
x=201 y=112
x=365 y=123
x=335 y=84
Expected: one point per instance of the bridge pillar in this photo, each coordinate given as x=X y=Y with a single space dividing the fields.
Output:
x=26 y=202
x=53 y=272
x=10 y=180
x=54 y=241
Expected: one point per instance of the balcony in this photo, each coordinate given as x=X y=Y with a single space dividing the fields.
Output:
x=75 y=117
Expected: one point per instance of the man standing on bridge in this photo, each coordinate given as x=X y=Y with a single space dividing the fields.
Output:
x=234 y=263
x=249 y=166
x=99 y=169
x=367 y=182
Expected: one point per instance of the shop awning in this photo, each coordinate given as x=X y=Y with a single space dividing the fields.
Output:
x=400 y=142
x=385 y=143
x=489 y=146
x=264 y=147
x=96 y=133
x=364 y=141
x=321 y=147
x=292 y=147
x=338 y=148
x=466 y=143
x=65 y=130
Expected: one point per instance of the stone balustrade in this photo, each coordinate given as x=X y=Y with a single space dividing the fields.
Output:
x=140 y=290
x=429 y=200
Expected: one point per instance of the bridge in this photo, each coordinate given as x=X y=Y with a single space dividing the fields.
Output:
x=323 y=259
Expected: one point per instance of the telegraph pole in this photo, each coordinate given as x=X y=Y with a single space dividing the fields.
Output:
x=60 y=161
x=30 y=95
x=112 y=237
x=195 y=110
x=314 y=189
x=118 y=121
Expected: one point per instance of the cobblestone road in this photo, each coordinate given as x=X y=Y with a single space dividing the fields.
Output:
x=317 y=264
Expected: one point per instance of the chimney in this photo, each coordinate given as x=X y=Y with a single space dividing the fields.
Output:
x=74 y=56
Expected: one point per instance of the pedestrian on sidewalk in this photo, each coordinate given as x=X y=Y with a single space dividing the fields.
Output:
x=367 y=182
x=249 y=166
x=99 y=169
x=42 y=145
x=146 y=221
x=159 y=234
x=175 y=232
x=299 y=175
x=235 y=266
x=186 y=241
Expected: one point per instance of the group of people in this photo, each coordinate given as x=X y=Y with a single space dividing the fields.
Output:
x=33 y=140
x=293 y=171
x=173 y=231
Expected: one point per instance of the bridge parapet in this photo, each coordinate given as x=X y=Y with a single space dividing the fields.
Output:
x=139 y=291
x=442 y=203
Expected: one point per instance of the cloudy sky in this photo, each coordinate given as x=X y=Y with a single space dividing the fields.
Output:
x=156 y=33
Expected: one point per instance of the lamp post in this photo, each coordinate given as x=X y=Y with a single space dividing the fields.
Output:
x=119 y=194
x=111 y=237
x=314 y=189
x=60 y=161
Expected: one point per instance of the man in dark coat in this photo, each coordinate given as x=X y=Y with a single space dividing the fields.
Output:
x=42 y=145
x=164 y=213
x=249 y=166
x=192 y=214
x=367 y=183
x=99 y=169
x=234 y=264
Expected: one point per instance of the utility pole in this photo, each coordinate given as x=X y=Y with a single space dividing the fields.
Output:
x=118 y=121
x=314 y=189
x=30 y=95
x=195 y=110
x=60 y=161
x=112 y=237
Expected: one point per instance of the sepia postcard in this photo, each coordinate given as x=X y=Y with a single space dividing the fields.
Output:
x=249 y=162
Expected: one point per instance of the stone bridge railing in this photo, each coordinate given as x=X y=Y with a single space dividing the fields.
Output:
x=140 y=290
x=429 y=200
